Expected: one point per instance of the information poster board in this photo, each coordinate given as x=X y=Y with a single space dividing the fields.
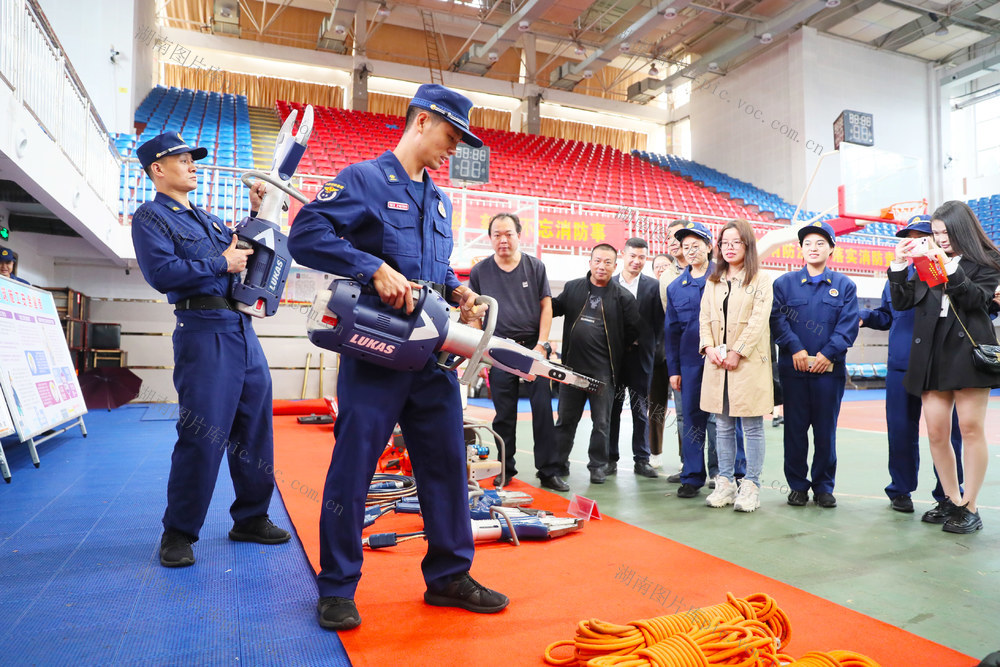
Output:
x=37 y=376
x=6 y=423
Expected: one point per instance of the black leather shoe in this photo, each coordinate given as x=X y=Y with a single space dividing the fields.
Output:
x=826 y=500
x=503 y=480
x=963 y=521
x=259 y=529
x=674 y=479
x=777 y=421
x=555 y=482
x=798 y=498
x=597 y=476
x=940 y=512
x=688 y=491
x=902 y=504
x=611 y=468
x=337 y=613
x=175 y=549
x=645 y=470
x=466 y=593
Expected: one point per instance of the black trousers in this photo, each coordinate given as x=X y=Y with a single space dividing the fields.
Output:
x=504 y=388
x=571 y=403
x=639 y=403
x=659 y=394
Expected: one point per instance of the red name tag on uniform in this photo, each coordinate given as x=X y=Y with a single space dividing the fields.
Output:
x=931 y=270
x=399 y=206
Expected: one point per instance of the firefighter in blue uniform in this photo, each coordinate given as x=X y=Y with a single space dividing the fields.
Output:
x=684 y=360
x=814 y=320
x=384 y=223
x=902 y=410
x=220 y=373
x=8 y=265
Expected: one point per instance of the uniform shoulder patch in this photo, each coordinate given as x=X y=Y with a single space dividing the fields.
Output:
x=329 y=191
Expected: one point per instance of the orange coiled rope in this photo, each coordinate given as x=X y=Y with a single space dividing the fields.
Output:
x=596 y=638
x=830 y=659
x=744 y=644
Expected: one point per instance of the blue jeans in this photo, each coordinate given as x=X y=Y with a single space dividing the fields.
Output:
x=753 y=442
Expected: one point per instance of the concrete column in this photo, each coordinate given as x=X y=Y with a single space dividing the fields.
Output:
x=359 y=86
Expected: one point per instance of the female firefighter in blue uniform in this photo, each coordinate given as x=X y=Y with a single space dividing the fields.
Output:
x=814 y=319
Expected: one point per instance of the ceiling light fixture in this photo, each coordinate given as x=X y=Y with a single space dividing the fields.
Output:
x=493 y=56
x=625 y=46
x=653 y=71
x=713 y=67
x=766 y=38
x=587 y=73
x=523 y=26
x=383 y=11
x=832 y=3
x=579 y=50
x=670 y=13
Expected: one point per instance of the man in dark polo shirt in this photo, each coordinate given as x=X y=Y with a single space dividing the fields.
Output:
x=519 y=284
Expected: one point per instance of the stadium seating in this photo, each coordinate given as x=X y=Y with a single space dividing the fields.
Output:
x=220 y=122
x=522 y=164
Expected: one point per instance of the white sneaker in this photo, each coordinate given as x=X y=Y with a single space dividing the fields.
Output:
x=724 y=494
x=654 y=460
x=748 y=498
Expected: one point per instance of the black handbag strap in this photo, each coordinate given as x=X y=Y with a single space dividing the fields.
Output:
x=957 y=317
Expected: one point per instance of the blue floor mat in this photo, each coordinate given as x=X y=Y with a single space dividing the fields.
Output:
x=161 y=412
x=82 y=583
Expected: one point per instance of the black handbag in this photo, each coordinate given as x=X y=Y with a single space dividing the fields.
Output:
x=984 y=357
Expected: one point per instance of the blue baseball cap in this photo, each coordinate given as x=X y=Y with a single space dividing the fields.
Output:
x=6 y=255
x=694 y=229
x=818 y=227
x=918 y=223
x=453 y=106
x=168 y=143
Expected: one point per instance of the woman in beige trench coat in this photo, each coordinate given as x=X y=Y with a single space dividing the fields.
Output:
x=735 y=339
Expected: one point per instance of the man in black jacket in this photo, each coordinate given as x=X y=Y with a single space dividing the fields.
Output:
x=602 y=321
x=637 y=366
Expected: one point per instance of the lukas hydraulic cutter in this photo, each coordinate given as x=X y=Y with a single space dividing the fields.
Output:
x=351 y=320
x=259 y=289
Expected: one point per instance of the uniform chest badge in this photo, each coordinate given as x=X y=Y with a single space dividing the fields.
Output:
x=441 y=208
x=834 y=292
x=330 y=191
x=399 y=206
x=216 y=225
x=524 y=284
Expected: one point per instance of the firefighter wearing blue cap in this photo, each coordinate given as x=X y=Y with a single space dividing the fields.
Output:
x=8 y=261
x=220 y=373
x=814 y=320
x=902 y=410
x=684 y=360
x=384 y=223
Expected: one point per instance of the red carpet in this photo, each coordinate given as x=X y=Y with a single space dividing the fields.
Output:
x=610 y=570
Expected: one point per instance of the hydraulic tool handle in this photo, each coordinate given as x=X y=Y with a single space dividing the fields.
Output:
x=248 y=176
x=475 y=361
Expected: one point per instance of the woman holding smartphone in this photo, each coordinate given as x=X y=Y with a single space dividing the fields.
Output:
x=941 y=369
x=736 y=342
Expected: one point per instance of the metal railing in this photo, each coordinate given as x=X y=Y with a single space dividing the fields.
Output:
x=35 y=68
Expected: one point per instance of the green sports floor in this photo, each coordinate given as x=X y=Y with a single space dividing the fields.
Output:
x=862 y=554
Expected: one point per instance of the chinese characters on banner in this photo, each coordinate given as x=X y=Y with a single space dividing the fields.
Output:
x=586 y=229
x=847 y=257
